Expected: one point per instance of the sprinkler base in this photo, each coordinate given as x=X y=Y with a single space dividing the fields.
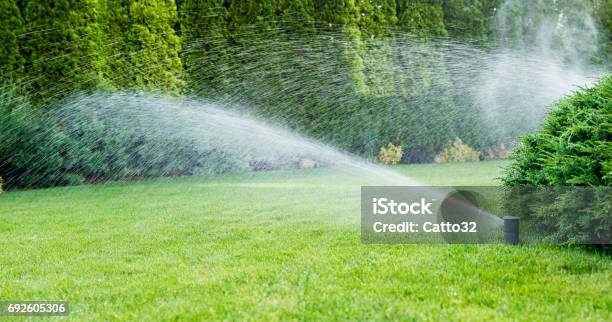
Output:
x=511 y=230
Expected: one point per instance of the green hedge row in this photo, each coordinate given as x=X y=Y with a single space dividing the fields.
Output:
x=59 y=46
x=341 y=71
x=62 y=45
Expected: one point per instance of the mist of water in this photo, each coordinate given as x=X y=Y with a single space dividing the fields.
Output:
x=503 y=91
x=162 y=127
x=547 y=49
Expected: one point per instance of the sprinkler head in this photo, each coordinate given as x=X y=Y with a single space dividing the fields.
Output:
x=511 y=230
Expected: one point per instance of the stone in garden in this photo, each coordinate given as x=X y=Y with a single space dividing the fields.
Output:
x=307 y=163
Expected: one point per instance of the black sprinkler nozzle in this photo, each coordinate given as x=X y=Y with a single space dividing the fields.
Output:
x=511 y=230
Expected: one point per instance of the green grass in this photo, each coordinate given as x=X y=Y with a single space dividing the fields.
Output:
x=275 y=246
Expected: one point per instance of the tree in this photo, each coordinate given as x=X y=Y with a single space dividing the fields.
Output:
x=603 y=16
x=116 y=26
x=469 y=19
x=573 y=148
x=154 y=46
x=63 y=47
x=423 y=18
x=206 y=52
x=141 y=45
x=11 y=25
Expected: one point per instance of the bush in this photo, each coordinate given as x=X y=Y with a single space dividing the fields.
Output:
x=96 y=138
x=574 y=148
x=120 y=136
x=391 y=154
x=11 y=26
x=458 y=151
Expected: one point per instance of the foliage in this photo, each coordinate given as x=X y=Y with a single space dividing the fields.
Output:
x=117 y=142
x=83 y=45
x=86 y=141
x=206 y=51
x=276 y=240
x=143 y=48
x=11 y=25
x=421 y=17
x=575 y=216
x=62 y=49
x=337 y=109
x=603 y=15
x=469 y=19
x=563 y=27
x=391 y=154
x=154 y=46
x=372 y=90
x=30 y=146
x=457 y=151
x=116 y=25
x=497 y=152
x=574 y=148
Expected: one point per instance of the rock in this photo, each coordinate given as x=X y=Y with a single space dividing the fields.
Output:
x=439 y=159
x=307 y=163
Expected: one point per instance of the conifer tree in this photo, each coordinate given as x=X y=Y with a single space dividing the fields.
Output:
x=468 y=19
x=154 y=46
x=377 y=23
x=297 y=15
x=603 y=17
x=344 y=16
x=206 y=53
x=116 y=25
x=425 y=82
x=422 y=18
x=63 y=47
x=11 y=25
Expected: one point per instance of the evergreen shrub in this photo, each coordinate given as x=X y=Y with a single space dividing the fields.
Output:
x=574 y=148
x=86 y=142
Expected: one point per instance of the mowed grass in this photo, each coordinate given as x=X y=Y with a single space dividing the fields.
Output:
x=275 y=246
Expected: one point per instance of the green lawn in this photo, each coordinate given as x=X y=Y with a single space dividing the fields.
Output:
x=275 y=246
